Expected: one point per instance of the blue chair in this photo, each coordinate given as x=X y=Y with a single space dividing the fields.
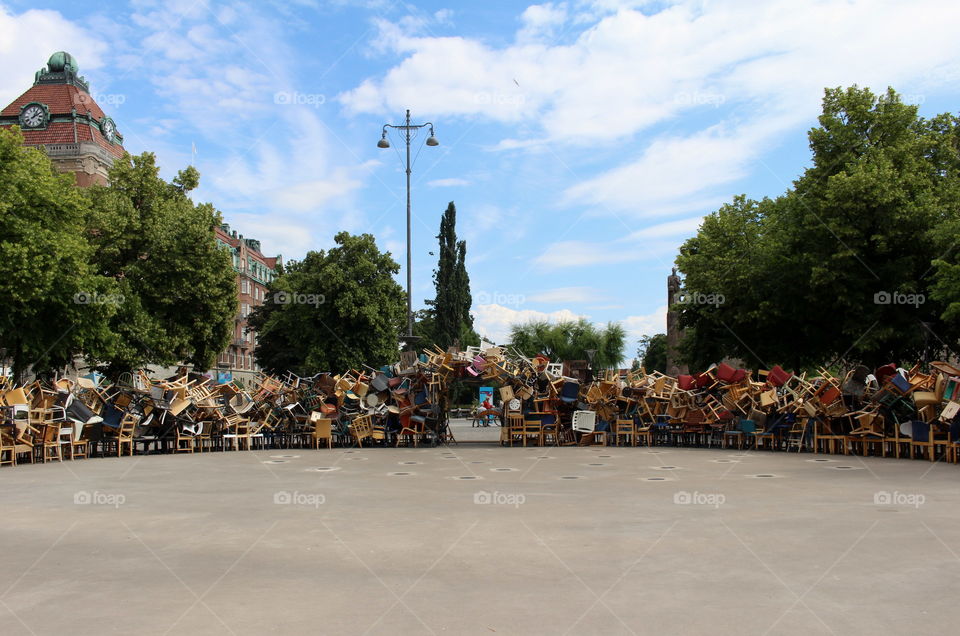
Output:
x=742 y=431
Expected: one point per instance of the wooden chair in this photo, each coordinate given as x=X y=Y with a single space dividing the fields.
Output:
x=532 y=429
x=826 y=440
x=361 y=428
x=512 y=427
x=8 y=446
x=184 y=442
x=322 y=429
x=626 y=429
x=644 y=431
x=122 y=435
x=51 y=442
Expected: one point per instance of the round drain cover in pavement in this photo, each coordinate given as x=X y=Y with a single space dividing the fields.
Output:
x=478 y=462
x=664 y=467
x=409 y=463
x=596 y=464
x=323 y=469
x=284 y=456
x=654 y=478
x=724 y=461
x=466 y=477
x=605 y=456
x=571 y=477
x=275 y=461
x=763 y=476
x=504 y=470
x=821 y=460
x=358 y=459
x=399 y=474
x=846 y=468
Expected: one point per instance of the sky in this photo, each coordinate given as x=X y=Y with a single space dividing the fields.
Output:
x=582 y=141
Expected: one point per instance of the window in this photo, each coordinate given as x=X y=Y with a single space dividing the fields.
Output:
x=245 y=286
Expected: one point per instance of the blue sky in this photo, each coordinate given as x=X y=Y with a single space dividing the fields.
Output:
x=582 y=141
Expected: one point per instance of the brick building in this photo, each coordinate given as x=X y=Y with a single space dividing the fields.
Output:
x=58 y=114
x=254 y=272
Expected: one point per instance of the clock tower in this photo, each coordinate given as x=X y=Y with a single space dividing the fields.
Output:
x=58 y=115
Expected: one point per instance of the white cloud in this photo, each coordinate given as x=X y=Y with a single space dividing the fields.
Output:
x=27 y=41
x=567 y=295
x=448 y=183
x=493 y=321
x=671 y=169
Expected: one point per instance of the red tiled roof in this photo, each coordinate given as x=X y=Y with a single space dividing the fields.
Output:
x=61 y=99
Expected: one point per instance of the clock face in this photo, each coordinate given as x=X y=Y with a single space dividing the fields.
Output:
x=32 y=116
x=514 y=404
x=109 y=129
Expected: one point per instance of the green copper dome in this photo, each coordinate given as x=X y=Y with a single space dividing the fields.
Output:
x=61 y=61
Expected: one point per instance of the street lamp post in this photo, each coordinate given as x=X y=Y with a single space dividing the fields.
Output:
x=408 y=131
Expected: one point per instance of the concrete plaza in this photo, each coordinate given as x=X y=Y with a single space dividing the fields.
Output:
x=478 y=539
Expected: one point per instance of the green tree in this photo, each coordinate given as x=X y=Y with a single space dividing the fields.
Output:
x=334 y=310
x=571 y=341
x=448 y=317
x=54 y=303
x=827 y=270
x=178 y=287
x=652 y=353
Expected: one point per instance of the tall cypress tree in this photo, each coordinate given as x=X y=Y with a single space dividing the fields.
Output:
x=450 y=309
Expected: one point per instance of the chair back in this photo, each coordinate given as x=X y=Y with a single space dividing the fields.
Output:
x=322 y=427
x=584 y=421
x=748 y=427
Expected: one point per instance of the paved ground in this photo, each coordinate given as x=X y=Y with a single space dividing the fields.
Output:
x=478 y=540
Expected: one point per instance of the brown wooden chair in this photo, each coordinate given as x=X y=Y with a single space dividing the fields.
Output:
x=532 y=429
x=627 y=429
x=322 y=429
x=8 y=446
x=512 y=427
x=121 y=436
x=51 y=442
x=361 y=428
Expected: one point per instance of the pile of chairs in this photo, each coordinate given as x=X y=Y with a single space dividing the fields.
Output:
x=888 y=411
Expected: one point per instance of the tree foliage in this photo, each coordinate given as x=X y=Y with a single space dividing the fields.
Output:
x=178 y=287
x=571 y=341
x=856 y=261
x=447 y=318
x=334 y=310
x=652 y=353
x=47 y=278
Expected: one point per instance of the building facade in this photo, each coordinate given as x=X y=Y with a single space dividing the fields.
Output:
x=58 y=115
x=254 y=272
